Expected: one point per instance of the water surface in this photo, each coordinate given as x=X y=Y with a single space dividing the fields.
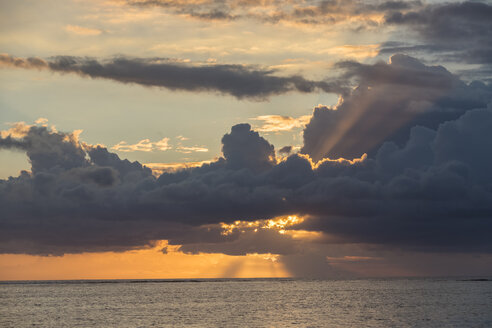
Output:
x=247 y=303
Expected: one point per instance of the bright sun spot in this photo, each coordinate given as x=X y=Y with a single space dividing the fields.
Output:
x=278 y=223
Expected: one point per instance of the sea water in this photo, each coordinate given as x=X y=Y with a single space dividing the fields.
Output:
x=433 y=302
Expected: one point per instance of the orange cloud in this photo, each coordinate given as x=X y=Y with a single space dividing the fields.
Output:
x=188 y=150
x=79 y=30
x=275 y=123
x=143 y=145
x=358 y=52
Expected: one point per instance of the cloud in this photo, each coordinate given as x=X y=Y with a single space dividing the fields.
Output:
x=28 y=63
x=236 y=80
x=271 y=11
x=390 y=98
x=159 y=168
x=244 y=148
x=146 y=145
x=449 y=20
x=41 y=120
x=286 y=150
x=18 y=130
x=143 y=145
x=435 y=192
x=356 y=51
x=192 y=149
x=261 y=241
x=459 y=31
x=276 y=123
x=430 y=193
x=85 y=31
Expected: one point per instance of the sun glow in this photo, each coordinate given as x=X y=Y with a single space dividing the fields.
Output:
x=279 y=223
x=148 y=263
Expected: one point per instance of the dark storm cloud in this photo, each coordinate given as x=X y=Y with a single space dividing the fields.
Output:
x=461 y=31
x=83 y=198
x=236 y=80
x=435 y=192
x=390 y=99
x=432 y=192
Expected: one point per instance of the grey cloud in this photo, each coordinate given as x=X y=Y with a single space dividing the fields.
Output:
x=11 y=143
x=461 y=31
x=236 y=80
x=449 y=20
x=304 y=12
x=80 y=198
x=389 y=100
x=250 y=242
x=244 y=148
x=286 y=150
x=430 y=193
x=446 y=52
x=102 y=176
x=435 y=195
x=213 y=15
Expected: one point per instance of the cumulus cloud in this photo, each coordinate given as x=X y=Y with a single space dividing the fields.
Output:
x=430 y=193
x=244 y=148
x=390 y=98
x=237 y=80
x=436 y=194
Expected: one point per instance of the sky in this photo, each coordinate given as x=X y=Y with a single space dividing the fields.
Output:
x=245 y=138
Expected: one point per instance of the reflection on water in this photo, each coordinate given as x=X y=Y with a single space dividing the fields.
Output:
x=248 y=303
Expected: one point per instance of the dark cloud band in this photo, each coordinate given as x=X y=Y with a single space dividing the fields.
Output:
x=236 y=80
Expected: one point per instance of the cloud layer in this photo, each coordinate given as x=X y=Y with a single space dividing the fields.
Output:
x=430 y=192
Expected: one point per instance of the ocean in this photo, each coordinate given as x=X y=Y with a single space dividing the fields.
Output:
x=432 y=302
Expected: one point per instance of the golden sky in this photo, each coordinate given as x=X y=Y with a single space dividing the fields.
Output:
x=138 y=264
